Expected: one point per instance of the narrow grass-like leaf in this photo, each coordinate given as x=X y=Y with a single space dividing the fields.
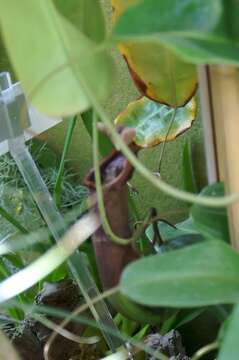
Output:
x=189 y=181
x=198 y=275
x=13 y=221
x=60 y=174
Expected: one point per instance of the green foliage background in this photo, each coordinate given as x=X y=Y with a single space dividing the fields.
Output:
x=124 y=92
x=80 y=155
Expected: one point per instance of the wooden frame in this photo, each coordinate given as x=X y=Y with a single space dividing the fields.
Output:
x=219 y=87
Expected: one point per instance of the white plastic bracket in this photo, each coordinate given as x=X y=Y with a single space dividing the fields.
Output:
x=17 y=116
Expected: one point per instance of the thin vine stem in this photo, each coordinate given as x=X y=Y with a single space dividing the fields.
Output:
x=64 y=332
x=205 y=350
x=166 y=137
x=174 y=95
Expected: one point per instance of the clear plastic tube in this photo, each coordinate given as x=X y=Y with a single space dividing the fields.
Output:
x=57 y=226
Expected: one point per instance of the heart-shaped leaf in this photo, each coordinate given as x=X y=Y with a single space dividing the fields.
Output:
x=152 y=121
x=211 y=222
x=198 y=275
x=182 y=26
x=157 y=71
x=52 y=58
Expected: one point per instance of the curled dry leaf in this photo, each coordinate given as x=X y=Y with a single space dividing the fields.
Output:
x=158 y=73
x=151 y=121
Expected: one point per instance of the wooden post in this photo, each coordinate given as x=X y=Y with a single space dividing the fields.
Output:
x=224 y=97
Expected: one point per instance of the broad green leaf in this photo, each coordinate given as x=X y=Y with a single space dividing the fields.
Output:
x=168 y=232
x=152 y=121
x=86 y=15
x=207 y=49
x=53 y=59
x=181 y=26
x=211 y=222
x=179 y=242
x=157 y=72
x=198 y=275
x=149 y=17
x=229 y=347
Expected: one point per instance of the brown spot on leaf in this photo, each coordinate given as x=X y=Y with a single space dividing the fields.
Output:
x=138 y=81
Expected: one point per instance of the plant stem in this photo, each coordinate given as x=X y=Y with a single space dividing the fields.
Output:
x=165 y=140
x=205 y=350
x=13 y=221
x=59 y=178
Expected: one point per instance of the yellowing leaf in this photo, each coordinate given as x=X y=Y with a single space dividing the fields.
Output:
x=152 y=121
x=157 y=72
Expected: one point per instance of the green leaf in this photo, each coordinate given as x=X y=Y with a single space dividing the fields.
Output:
x=182 y=27
x=180 y=242
x=198 y=275
x=173 y=86
x=152 y=121
x=86 y=15
x=208 y=49
x=229 y=347
x=149 y=17
x=189 y=181
x=231 y=10
x=156 y=71
x=52 y=58
x=211 y=222
x=105 y=145
x=167 y=232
